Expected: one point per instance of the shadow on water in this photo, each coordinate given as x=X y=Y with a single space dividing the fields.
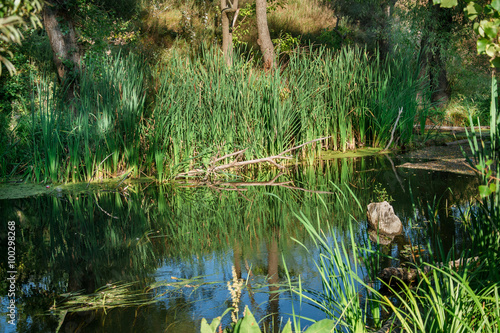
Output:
x=174 y=248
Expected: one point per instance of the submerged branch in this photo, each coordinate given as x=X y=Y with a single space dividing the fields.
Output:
x=391 y=275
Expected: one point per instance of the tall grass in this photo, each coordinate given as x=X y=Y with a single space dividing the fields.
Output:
x=465 y=298
x=351 y=97
x=339 y=298
x=445 y=299
x=200 y=109
x=99 y=134
x=484 y=224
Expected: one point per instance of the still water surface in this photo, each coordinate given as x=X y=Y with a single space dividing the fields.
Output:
x=181 y=244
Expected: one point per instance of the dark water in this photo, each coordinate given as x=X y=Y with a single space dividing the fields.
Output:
x=177 y=246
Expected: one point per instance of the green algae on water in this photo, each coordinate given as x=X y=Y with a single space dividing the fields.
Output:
x=330 y=154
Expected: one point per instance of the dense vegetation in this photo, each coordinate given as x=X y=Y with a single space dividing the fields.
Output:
x=149 y=92
x=143 y=88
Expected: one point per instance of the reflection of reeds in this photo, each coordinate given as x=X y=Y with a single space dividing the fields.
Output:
x=106 y=298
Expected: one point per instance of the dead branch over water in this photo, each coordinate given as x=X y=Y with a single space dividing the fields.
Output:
x=213 y=168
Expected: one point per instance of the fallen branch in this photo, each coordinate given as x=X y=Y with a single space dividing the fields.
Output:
x=394 y=129
x=212 y=168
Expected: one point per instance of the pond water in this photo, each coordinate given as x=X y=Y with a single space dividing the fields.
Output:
x=173 y=249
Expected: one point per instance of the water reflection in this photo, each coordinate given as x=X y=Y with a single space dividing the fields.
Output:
x=155 y=235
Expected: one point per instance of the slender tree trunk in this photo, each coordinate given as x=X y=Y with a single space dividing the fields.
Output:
x=432 y=62
x=439 y=80
x=227 y=28
x=385 y=44
x=63 y=41
x=264 y=41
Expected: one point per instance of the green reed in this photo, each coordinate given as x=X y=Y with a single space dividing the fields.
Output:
x=444 y=298
x=201 y=109
x=98 y=134
x=350 y=96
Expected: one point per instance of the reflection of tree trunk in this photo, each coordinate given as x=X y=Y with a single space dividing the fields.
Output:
x=62 y=37
x=264 y=41
x=273 y=279
x=227 y=32
x=237 y=259
x=81 y=277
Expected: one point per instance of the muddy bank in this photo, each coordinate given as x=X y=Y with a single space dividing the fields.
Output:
x=449 y=157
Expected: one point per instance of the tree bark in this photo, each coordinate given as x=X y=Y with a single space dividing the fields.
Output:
x=439 y=80
x=385 y=43
x=61 y=32
x=264 y=41
x=227 y=28
x=432 y=63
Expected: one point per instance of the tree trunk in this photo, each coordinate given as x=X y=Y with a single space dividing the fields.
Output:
x=227 y=28
x=264 y=41
x=439 y=80
x=63 y=41
x=385 y=43
x=432 y=63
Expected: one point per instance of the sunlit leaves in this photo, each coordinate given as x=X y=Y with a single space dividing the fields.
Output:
x=446 y=3
x=481 y=45
x=473 y=10
x=11 y=19
x=487 y=28
x=496 y=5
x=486 y=190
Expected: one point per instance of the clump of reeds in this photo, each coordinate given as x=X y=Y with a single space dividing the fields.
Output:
x=99 y=134
x=458 y=297
x=202 y=108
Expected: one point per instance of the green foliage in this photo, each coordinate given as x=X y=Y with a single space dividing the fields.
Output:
x=487 y=28
x=12 y=17
x=446 y=3
x=339 y=298
x=381 y=193
x=286 y=43
x=248 y=324
x=101 y=135
x=446 y=298
x=203 y=109
x=101 y=31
